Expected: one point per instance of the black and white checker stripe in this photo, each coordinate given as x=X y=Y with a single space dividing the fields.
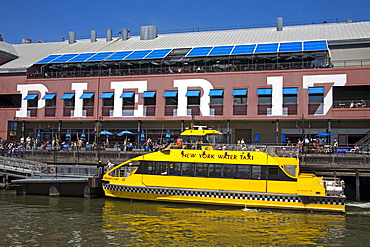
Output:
x=227 y=195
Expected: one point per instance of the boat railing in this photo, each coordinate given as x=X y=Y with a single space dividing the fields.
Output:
x=334 y=187
x=274 y=151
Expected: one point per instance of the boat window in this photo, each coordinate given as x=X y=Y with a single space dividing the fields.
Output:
x=162 y=168
x=188 y=169
x=213 y=139
x=215 y=170
x=273 y=171
x=201 y=170
x=144 y=168
x=256 y=172
x=244 y=171
x=174 y=169
x=229 y=171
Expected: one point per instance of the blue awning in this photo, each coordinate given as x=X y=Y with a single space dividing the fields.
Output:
x=315 y=90
x=170 y=94
x=240 y=92
x=49 y=96
x=87 y=95
x=148 y=94
x=292 y=90
x=264 y=91
x=67 y=96
x=216 y=92
x=106 y=95
x=30 y=97
x=127 y=94
x=192 y=93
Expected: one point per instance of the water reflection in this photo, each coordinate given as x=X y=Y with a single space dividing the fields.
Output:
x=160 y=224
x=62 y=221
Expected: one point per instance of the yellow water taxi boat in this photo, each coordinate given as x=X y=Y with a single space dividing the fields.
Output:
x=195 y=169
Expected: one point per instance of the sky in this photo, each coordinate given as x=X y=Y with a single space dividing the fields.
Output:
x=51 y=20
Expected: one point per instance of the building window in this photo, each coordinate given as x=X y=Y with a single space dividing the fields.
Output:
x=193 y=97
x=50 y=100
x=107 y=98
x=240 y=96
x=88 y=99
x=32 y=100
x=149 y=98
x=128 y=98
x=290 y=95
x=69 y=99
x=316 y=100
x=264 y=96
x=10 y=101
x=171 y=98
x=217 y=96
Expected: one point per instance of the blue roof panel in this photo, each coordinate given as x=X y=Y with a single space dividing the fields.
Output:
x=64 y=58
x=267 y=48
x=290 y=47
x=158 y=54
x=221 y=50
x=243 y=49
x=99 y=57
x=199 y=52
x=315 y=45
x=138 y=55
x=81 y=58
x=48 y=59
x=119 y=56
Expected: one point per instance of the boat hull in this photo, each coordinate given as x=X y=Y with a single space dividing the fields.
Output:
x=228 y=198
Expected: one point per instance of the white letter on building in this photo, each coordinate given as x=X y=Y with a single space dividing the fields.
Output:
x=24 y=89
x=118 y=87
x=183 y=86
x=337 y=80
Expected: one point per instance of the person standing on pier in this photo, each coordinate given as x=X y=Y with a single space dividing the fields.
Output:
x=335 y=146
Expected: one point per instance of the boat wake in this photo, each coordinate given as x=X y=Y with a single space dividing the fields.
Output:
x=359 y=204
x=250 y=210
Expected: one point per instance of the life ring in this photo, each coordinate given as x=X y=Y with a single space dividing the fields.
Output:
x=52 y=170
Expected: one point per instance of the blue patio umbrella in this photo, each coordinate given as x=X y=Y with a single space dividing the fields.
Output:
x=106 y=132
x=256 y=137
x=68 y=135
x=125 y=132
x=142 y=136
x=83 y=136
x=323 y=134
x=283 y=137
x=168 y=136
